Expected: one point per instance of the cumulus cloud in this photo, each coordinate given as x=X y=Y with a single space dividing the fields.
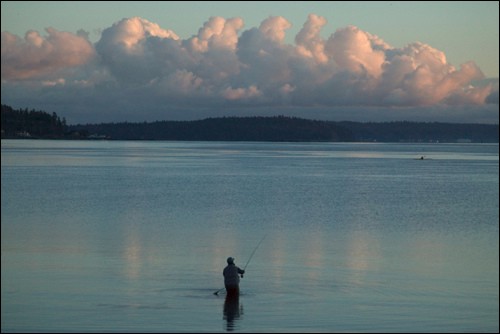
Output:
x=224 y=65
x=36 y=55
x=356 y=51
x=308 y=41
x=137 y=50
x=217 y=33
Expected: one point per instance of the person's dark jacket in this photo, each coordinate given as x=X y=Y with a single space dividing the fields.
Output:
x=232 y=275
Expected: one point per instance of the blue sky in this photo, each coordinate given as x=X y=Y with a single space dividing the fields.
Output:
x=455 y=31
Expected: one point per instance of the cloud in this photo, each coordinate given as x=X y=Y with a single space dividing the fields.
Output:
x=36 y=56
x=217 y=33
x=224 y=66
x=420 y=75
x=241 y=93
x=357 y=52
x=136 y=50
x=308 y=41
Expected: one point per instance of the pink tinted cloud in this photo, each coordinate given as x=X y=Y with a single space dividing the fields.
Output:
x=351 y=67
x=224 y=64
x=36 y=55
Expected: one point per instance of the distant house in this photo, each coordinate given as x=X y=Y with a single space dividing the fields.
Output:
x=23 y=134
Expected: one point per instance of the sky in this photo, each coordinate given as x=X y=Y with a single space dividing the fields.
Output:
x=105 y=61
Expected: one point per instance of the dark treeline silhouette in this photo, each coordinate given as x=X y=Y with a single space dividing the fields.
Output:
x=38 y=124
x=277 y=128
x=24 y=123
x=281 y=128
x=423 y=132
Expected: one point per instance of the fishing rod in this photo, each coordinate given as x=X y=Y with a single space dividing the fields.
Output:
x=245 y=267
x=251 y=255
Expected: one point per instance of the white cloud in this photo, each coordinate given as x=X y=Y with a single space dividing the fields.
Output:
x=274 y=28
x=36 y=56
x=217 y=33
x=356 y=51
x=308 y=40
x=139 y=61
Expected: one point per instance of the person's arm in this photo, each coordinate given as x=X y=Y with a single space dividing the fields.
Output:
x=241 y=271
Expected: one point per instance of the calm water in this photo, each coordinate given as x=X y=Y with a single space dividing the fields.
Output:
x=133 y=236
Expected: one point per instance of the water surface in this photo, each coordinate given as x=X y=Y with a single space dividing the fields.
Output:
x=109 y=236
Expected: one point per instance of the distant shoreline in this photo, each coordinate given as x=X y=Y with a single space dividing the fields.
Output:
x=290 y=129
x=24 y=124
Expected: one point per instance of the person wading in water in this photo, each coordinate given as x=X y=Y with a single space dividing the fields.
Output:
x=232 y=278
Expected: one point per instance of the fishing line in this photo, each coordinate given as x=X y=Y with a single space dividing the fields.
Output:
x=245 y=267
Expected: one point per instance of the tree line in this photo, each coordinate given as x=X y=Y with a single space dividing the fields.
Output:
x=279 y=128
x=23 y=123
x=404 y=131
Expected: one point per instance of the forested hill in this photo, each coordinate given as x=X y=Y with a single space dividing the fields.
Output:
x=39 y=124
x=423 y=132
x=226 y=129
x=24 y=123
x=283 y=128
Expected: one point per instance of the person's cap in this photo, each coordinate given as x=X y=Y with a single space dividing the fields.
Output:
x=230 y=260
